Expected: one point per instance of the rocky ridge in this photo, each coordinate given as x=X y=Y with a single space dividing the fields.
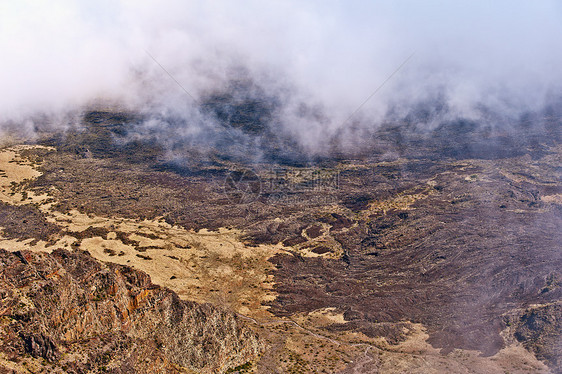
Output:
x=67 y=312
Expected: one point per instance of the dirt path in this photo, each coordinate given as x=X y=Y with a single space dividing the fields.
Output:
x=357 y=367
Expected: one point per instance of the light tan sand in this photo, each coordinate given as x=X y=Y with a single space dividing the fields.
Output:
x=201 y=266
x=14 y=170
x=403 y=201
x=556 y=198
x=416 y=355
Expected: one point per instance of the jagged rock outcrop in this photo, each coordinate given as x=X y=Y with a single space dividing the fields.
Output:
x=539 y=328
x=76 y=314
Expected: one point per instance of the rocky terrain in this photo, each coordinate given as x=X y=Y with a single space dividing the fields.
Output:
x=67 y=312
x=425 y=252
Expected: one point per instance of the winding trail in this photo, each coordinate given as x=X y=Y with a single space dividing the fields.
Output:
x=357 y=367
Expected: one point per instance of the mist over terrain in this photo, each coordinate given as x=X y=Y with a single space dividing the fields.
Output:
x=315 y=75
x=317 y=186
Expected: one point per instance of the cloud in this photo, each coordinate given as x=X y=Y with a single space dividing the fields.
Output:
x=319 y=60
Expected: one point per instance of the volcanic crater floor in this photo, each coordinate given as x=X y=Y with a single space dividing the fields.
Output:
x=409 y=265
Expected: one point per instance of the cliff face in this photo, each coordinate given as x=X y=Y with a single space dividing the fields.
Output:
x=539 y=328
x=73 y=313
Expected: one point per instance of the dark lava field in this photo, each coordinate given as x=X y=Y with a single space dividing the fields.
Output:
x=455 y=229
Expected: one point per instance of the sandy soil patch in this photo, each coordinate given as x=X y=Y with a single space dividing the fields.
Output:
x=402 y=201
x=204 y=266
x=14 y=170
x=416 y=355
x=556 y=199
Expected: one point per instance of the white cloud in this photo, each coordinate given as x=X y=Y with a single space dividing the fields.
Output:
x=59 y=55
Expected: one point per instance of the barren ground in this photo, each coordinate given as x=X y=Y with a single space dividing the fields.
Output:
x=353 y=283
